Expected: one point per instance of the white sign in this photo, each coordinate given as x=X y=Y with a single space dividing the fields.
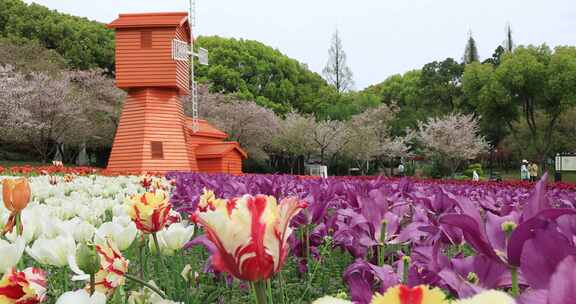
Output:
x=565 y=163
x=203 y=56
x=180 y=50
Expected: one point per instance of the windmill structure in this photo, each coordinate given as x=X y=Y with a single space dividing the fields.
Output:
x=155 y=66
x=191 y=55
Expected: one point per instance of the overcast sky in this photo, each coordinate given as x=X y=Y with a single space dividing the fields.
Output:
x=381 y=37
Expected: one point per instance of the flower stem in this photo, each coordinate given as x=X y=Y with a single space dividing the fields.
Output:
x=92 y=284
x=269 y=291
x=149 y=286
x=158 y=253
x=282 y=290
x=157 y=244
x=405 y=269
x=382 y=247
x=141 y=258
x=515 y=287
x=19 y=227
x=260 y=291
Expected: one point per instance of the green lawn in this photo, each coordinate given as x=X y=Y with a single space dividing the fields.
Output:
x=7 y=163
x=567 y=177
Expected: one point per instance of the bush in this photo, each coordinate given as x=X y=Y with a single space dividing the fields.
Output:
x=409 y=169
x=434 y=170
x=473 y=167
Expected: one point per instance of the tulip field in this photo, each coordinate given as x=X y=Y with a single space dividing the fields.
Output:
x=81 y=237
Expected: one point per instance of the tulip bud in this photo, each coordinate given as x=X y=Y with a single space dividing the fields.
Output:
x=383 y=232
x=15 y=194
x=508 y=227
x=189 y=275
x=138 y=298
x=406 y=266
x=88 y=259
x=342 y=295
x=472 y=278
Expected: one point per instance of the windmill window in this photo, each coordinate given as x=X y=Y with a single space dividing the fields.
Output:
x=157 y=149
x=146 y=39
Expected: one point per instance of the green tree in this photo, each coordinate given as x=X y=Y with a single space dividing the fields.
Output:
x=337 y=72
x=406 y=92
x=471 y=50
x=490 y=100
x=508 y=44
x=440 y=83
x=82 y=43
x=529 y=90
x=496 y=56
x=260 y=73
x=30 y=56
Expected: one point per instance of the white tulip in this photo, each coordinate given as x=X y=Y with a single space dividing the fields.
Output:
x=54 y=251
x=148 y=296
x=84 y=232
x=119 y=210
x=11 y=253
x=120 y=231
x=331 y=300
x=173 y=238
x=54 y=227
x=4 y=214
x=32 y=218
x=81 y=296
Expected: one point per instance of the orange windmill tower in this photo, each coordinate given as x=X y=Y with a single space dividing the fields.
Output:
x=153 y=65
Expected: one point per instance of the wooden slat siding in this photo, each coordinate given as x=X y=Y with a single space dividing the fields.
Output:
x=211 y=165
x=153 y=110
x=183 y=67
x=164 y=121
x=131 y=160
x=151 y=114
x=163 y=19
x=232 y=162
x=145 y=66
x=199 y=139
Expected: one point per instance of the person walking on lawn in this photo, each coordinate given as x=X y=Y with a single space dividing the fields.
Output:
x=524 y=174
x=533 y=169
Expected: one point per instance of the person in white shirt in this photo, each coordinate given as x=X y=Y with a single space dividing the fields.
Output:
x=524 y=175
x=401 y=169
x=475 y=176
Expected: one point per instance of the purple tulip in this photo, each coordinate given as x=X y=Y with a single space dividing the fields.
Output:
x=361 y=276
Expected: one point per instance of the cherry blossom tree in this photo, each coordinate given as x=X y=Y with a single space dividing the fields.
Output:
x=39 y=109
x=294 y=135
x=369 y=137
x=452 y=139
x=102 y=106
x=252 y=125
x=11 y=90
x=328 y=138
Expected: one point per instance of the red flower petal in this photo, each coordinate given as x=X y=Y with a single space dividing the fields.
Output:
x=410 y=295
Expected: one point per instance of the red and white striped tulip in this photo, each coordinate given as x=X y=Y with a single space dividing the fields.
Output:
x=28 y=286
x=112 y=269
x=250 y=232
x=149 y=211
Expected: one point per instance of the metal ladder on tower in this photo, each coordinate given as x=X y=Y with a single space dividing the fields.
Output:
x=193 y=87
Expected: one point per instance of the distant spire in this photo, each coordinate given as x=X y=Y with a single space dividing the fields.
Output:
x=508 y=44
x=471 y=50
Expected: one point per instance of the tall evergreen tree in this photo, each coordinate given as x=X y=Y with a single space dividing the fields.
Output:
x=471 y=50
x=337 y=72
x=508 y=42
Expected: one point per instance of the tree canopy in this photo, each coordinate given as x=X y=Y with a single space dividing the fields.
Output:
x=531 y=88
x=258 y=72
x=84 y=44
